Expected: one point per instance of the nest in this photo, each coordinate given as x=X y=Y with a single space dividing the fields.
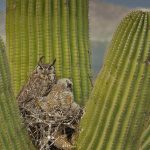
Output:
x=56 y=129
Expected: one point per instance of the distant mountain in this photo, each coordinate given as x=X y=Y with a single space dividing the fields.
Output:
x=104 y=18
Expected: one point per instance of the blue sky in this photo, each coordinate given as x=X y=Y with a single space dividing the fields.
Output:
x=2 y=5
x=130 y=3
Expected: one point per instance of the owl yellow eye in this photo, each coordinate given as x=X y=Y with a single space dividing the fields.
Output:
x=49 y=68
x=39 y=67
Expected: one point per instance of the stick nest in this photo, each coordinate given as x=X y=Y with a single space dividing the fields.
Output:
x=56 y=129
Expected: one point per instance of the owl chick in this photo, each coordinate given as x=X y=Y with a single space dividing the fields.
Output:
x=64 y=114
x=39 y=83
x=60 y=95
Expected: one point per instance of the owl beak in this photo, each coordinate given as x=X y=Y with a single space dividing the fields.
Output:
x=45 y=72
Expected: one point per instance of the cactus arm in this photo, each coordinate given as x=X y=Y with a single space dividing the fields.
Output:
x=101 y=81
x=13 y=135
x=114 y=112
x=100 y=78
x=140 y=99
x=3 y=111
x=122 y=85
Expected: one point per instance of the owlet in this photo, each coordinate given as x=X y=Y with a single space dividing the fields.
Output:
x=60 y=95
x=39 y=83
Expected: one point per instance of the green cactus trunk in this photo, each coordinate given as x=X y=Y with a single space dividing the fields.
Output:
x=12 y=134
x=53 y=28
x=145 y=139
x=115 y=113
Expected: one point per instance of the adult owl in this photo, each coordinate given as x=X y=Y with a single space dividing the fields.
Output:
x=40 y=82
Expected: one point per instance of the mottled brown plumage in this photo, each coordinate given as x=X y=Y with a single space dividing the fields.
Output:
x=61 y=95
x=64 y=115
x=39 y=83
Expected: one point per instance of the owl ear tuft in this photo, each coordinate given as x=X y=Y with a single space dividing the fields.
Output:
x=41 y=60
x=53 y=63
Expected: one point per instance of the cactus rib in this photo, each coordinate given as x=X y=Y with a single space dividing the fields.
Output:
x=114 y=115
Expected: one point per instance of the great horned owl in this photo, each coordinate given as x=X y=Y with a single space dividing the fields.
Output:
x=39 y=83
x=61 y=95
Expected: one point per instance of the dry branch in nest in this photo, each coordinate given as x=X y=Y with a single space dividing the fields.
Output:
x=55 y=129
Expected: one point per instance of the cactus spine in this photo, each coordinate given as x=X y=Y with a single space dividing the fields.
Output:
x=53 y=28
x=115 y=111
x=12 y=134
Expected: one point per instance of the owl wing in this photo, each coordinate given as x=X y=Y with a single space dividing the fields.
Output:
x=24 y=95
x=57 y=97
x=66 y=98
x=60 y=94
x=46 y=104
x=25 y=92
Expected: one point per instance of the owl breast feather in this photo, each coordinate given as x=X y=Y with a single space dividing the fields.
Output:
x=36 y=87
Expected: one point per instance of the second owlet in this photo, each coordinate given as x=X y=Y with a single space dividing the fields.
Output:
x=39 y=83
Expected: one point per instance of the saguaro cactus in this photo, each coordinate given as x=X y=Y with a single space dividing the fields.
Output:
x=145 y=140
x=115 y=114
x=12 y=133
x=53 y=28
